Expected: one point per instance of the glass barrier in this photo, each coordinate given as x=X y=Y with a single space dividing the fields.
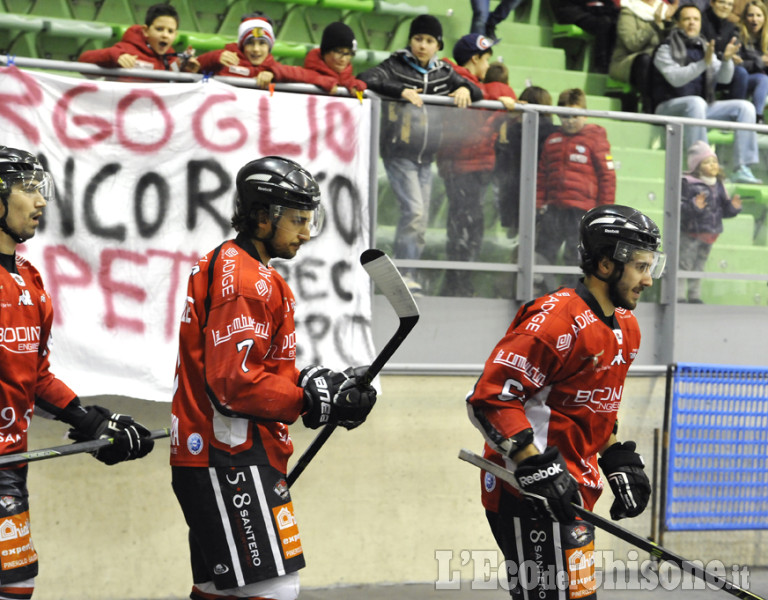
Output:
x=450 y=209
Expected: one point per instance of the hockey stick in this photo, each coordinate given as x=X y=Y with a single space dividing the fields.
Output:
x=621 y=533
x=387 y=278
x=67 y=449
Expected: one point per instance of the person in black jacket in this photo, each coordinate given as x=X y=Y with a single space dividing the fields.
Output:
x=411 y=131
x=716 y=26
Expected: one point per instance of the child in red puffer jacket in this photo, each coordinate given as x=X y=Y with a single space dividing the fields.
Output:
x=334 y=57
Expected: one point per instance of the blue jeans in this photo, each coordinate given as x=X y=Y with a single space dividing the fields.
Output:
x=411 y=183
x=481 y=14
x=695 y=107
x=757 y=88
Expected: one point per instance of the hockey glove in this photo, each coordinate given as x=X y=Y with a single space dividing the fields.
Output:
x=548 y=487
x=131 y=439
x=624 y=469
x=320 y=386
x=354 y=400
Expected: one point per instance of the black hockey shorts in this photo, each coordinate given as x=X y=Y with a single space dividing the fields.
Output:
x=241 y=524
x=18 y=559
x=545 y=560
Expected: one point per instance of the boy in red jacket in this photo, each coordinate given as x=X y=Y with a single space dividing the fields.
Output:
x=252 y=57
x=466 y=159
x=334 y=57
x=148 y=46
x=575 y=173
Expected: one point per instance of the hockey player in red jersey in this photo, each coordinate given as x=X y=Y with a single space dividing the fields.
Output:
x=26 y=383
x=237 y=388
x=547 y=404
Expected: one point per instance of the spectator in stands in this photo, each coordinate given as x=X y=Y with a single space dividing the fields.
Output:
x=465 y=161
x=252 y=57
x=334 y=57
x=716 y=26
x=575 y=174
x=484 y=22
x=597 y=17
x=410 y=133
x=754 y=53
x=641 y=26
x=506 y=171
x=705 y=203
x=682 y=84
x=148 y=46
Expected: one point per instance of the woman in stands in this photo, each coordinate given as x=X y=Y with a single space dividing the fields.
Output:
x=754 y=53
x=641 y=27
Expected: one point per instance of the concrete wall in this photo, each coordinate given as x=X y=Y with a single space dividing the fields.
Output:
x=374 y=506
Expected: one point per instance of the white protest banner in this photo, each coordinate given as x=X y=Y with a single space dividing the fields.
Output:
x=145 y=185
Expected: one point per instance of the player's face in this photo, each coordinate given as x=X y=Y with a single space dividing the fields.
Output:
x=424 y=47
x=635 y=278
x=161 y=34
x=690 y=21
x=25 y=207
x=338 y=59
x=291 y=231
x=256 y=51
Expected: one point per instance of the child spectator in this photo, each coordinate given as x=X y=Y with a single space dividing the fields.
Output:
x=148 y=46
x=575 y=174
x=506 y=171
x=754 y=53
x=704 y=205
x=496 y=83
x=410 y=133
x=251 y=56
x=334 y=57
x=465 y=162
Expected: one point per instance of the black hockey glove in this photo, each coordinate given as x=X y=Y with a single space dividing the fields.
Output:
x=354 y=400
x=320 y=386
x=333 y=397
x=624 y=469
x=131 y=439
x=548 y=486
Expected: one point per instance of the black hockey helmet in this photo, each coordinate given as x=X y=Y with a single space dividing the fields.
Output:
x=617 y=232
x=20 y=166
x=275 y=183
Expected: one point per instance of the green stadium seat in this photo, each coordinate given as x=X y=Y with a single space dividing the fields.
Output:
x=66 y=39
x=209 y=15
x=18 y=33
x=529 y=56
x=316 y=19
x=733 y=258
x=348 y=5
x=51 y=8
x=203 y=42
x=19 y=7
x=139 y=10
x=401 y=9
x=114 y=11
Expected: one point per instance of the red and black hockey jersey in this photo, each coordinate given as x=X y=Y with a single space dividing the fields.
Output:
x=26 y=315
x=235 y=386
x=559 y=370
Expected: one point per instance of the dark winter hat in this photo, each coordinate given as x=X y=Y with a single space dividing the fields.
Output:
x=471 y=44
x=337 y=35
x=429 y=25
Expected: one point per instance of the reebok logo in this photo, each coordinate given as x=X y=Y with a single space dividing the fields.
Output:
x=541 y=474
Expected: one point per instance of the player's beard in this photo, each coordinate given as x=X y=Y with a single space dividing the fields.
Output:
x=286 y=252
x=619 y=297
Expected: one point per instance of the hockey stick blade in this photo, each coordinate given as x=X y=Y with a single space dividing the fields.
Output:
x=69 y=449
x=387 y=278
x=621 y=533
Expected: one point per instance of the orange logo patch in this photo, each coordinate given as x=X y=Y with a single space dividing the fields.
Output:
x=16 y=549
x=288 y=530
x=581 y=571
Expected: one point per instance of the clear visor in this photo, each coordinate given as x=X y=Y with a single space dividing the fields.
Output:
x=31 y=182
x=645 y=261
x=308 y=222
